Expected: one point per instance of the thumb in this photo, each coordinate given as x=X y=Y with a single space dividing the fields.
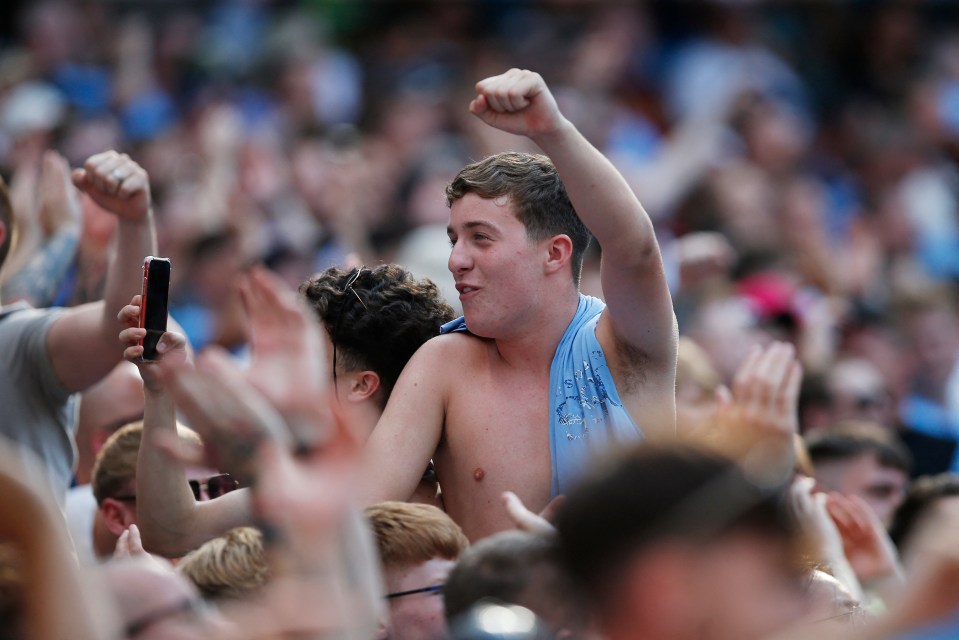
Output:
x=478 y=105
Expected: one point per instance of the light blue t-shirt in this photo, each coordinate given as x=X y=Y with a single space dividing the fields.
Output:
x=587 y=418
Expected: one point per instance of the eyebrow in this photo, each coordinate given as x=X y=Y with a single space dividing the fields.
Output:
x=474 y=224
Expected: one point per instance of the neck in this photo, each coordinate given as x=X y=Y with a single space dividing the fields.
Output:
x=535 y=345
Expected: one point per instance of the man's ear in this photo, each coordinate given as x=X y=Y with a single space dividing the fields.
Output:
x=559 y=251
x=363 y=385
x=116 y=516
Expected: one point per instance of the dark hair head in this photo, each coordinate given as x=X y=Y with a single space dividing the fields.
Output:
x=6 y=219
x=514 y=567
x=652 y=494
x=536 y=192
x=377 y=318
x=920 y=498
x=852 y=439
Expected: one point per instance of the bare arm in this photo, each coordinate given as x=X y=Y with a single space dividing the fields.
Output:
x=409 y=430
x=82 y=343
x=640 y=314
x=172 y=522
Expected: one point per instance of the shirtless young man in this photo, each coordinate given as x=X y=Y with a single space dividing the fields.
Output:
x=482 y=403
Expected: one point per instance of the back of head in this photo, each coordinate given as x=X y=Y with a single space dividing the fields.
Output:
x=536 y=192
x=408 y=534
x=517 y=568
x=376 y=318
x=655 y=495
x=227 y=567
x=115 y=469
x=919 y=506
x=850 y=440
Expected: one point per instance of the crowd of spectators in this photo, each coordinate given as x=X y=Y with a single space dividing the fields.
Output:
x=796 y=160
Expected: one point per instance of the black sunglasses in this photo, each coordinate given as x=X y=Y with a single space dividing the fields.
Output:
x=214 y=486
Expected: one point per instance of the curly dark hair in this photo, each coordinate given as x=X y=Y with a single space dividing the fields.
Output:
x=534 y=187
x=377 y=318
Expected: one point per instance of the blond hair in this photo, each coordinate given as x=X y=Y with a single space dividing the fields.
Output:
x=229 y=566
x=408 y=534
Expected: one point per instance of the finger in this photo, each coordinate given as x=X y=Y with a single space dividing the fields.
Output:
x=791 y=389
x=134 y=543
x=100 y=172
x=170 y=341
x=133 y=184
x=746 y=373
x=724 y=397
x=768 y=374
x=132 y=336
x=523 y=518
x=134 y=354
x=478 y=105
x=130 y=314
x=122 y=550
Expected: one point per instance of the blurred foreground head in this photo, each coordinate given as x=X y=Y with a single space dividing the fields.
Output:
x=515 y=568
x=679 y=543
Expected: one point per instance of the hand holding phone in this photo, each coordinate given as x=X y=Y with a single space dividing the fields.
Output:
x=154 y=302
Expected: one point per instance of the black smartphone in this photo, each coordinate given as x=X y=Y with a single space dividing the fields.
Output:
x=153 y=303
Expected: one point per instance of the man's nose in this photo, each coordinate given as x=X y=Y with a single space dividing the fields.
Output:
x=459 y=258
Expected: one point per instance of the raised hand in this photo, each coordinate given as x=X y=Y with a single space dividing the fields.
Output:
x=518 y=102
x=526 y=520
x=116 y=183
x=171 y=350
x=232 y=418
x=866 y=544
x=758 y=423
x=289 y=361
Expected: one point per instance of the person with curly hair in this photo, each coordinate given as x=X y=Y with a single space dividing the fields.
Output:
x=375 y=319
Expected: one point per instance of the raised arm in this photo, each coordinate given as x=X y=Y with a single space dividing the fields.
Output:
x=640 y=314
x=171 y=521
x=82 y=343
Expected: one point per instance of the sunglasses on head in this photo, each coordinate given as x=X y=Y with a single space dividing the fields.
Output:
x=214 y=486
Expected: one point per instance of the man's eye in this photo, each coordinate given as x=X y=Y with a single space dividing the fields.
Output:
x=452 y=241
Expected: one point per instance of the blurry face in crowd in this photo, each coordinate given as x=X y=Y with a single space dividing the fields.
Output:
x=749 y=588
x=936 y=338
x=741 y=587
x=417 y=616
x=498 y=270
x=859 y=393
x=883 y=488
x=155 y=602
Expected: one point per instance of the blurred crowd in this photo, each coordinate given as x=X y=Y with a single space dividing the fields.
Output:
x=798 y=164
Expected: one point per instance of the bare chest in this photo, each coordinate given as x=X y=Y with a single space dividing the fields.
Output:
x=496 y=439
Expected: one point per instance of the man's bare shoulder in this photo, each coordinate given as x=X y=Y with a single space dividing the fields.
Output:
x=452 y=348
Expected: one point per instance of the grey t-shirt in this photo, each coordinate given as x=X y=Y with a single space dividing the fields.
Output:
x=36 y=412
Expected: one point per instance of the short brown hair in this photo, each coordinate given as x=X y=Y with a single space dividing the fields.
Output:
x=537 y=193
x=229 y=566
x=408 y=534
x=115 y=469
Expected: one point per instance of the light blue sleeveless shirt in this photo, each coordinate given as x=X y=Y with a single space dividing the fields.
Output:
x=587 y=417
